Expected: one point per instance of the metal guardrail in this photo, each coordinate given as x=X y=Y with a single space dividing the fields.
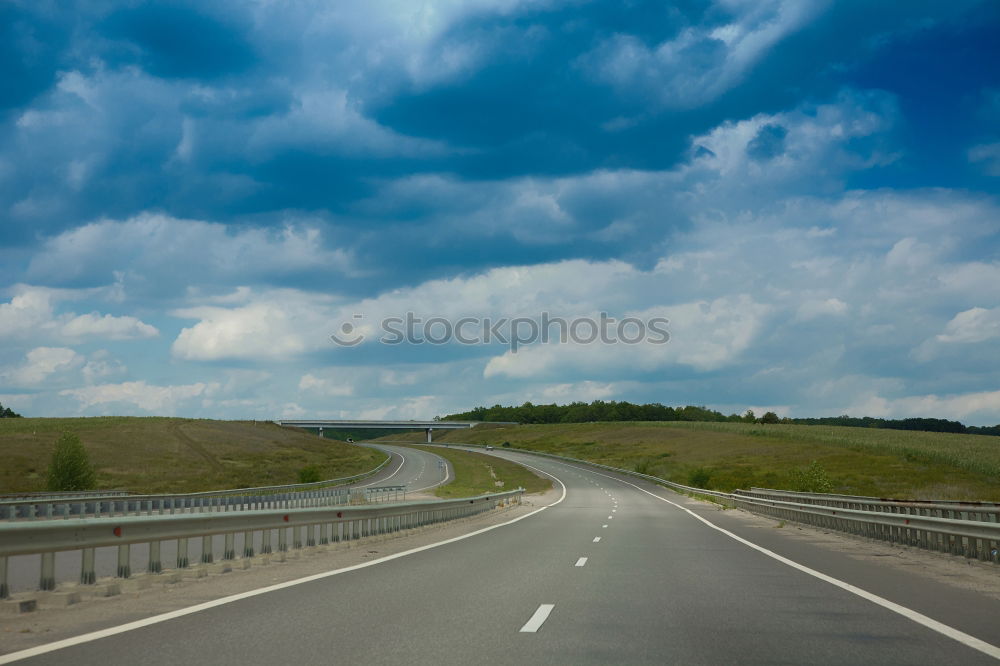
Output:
x=970 y=529
x=308 y=527
x=833 y=499
x=293 y=495
x=69 y=494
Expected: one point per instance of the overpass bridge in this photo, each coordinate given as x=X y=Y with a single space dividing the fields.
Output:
x=427 y=426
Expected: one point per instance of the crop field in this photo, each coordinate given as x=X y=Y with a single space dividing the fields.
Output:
x=158 y=454
x=726 y=456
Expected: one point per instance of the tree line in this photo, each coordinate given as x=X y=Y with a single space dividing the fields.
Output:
x=612 y=410
x=8 y=413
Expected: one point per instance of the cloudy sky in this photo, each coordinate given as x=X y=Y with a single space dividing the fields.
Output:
x=194 y=196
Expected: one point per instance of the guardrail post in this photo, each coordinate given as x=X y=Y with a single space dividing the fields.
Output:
x=47 y=580
x=88 y=575
x=282 y=539
x=310 y=535
x=124 y=560
x=206 y=550
x=182 y=553
x=154 y=565
x=4 y=589
x=265 y=542
x=248 y=544
x=297 y=537
x=229 y=551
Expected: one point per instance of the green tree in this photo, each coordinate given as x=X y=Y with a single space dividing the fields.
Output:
x=8 y=413
x=70 y=468
x=812 y=479
x=770 y=417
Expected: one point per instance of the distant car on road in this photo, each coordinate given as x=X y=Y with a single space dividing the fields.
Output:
x=489 y=447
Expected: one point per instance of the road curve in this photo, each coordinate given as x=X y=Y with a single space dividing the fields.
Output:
x=415 y=469
x=611 y=573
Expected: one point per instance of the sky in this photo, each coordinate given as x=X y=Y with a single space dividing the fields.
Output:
x=196 y=197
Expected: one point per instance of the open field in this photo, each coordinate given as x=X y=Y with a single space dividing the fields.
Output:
x=479 y=474
x=863 y=461
x=158 y=454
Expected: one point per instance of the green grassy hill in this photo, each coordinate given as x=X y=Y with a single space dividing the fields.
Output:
x=863 y=461
x=155 y=454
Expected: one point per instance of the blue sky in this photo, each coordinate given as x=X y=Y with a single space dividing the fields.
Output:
x=195 y=195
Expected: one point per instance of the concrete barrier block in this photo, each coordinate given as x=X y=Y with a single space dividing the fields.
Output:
x=59 y=598
x=105 y=590
x=15 y=606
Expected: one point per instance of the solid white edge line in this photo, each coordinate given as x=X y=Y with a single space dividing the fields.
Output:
x=537 y=619
x=955 y=634
x=402 y=461
x=580 y=562
x=447 y=475
x=163 y=617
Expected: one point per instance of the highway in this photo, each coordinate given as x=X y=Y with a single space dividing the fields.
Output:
x=612 y=571
x=414 y=469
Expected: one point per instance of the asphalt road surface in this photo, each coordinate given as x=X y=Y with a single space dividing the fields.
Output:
x=417 y=470
x=614 y=572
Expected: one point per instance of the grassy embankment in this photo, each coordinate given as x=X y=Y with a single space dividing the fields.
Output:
x=479 y=474
x=158 y=454
x=862 y=461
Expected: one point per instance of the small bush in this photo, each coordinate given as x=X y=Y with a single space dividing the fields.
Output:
x=507 y=444
x=310 y=474
x=812 y=479
x=699 y=478
x=70 y=468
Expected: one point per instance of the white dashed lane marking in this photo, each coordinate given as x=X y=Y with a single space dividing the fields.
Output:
x=539 y=617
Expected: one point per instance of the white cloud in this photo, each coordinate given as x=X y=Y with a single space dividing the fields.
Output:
x=275 y=326
x=30 y=314
x=330 y=120
x=42 y=364
x=150 y=246
x=831 y=307
x=166 y=400
x=586 y=391
x=989 y=155
x=805 y=147
x=415 y=407
x=100 y=365
x=93 y=325
x=911 y=254
x=973 y=325
x=703 y=335
x=702 y=62
x=981 y=405
x=313 y=384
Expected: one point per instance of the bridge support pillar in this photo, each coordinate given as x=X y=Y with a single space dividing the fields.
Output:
x=321 y=432
x=429 y=430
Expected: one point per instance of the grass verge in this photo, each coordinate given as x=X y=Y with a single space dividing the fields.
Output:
x=480 y=474
x=172 y=455
x=726 y=456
